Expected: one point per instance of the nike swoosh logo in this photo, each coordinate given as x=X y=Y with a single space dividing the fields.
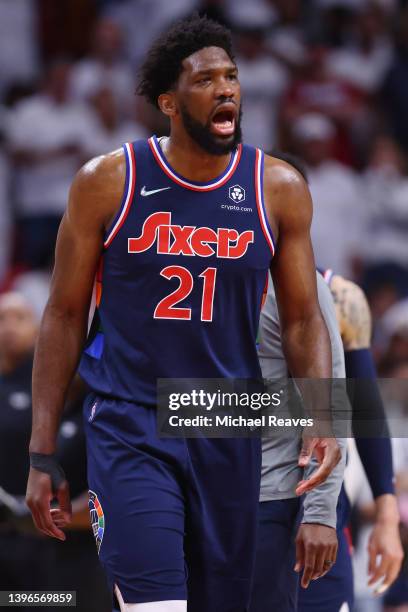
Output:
x=144 y=192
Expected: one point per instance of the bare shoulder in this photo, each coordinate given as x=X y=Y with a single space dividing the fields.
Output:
x=353 y=313
x=97 y=188
x=286 y=192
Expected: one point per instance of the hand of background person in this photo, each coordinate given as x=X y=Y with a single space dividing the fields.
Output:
x=327 y=452
x=316 y=551
x=384 y=547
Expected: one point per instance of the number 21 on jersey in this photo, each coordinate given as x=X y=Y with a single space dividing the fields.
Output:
x=167 y=309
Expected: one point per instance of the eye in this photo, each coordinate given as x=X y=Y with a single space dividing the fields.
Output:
x=233 y=76
x=203 y=80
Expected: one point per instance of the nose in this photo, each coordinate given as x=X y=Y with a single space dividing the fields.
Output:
x=224 y=88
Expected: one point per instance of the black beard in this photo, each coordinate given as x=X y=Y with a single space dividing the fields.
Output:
x=209 y=142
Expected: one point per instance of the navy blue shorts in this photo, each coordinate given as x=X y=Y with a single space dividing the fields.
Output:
x=275 y=583
x=172 y=518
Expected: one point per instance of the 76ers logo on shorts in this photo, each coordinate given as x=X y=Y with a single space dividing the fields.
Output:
x=97 y=518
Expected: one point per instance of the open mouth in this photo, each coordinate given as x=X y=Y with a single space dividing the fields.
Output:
x=223 y=122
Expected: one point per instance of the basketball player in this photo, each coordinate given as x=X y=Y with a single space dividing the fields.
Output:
x=187 y=226
x=278 y=508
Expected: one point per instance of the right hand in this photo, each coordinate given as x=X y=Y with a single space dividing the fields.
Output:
x=328 y=454
x=38 y=498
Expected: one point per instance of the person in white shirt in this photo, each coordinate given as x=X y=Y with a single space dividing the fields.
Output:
x=365 y=61
x=105 y=67
x=385 y=185
x=264 y=80
x=336 y=196
x=48 y=136
x=111 y=129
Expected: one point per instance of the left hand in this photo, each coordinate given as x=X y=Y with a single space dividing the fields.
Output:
x=316 y=551
x=385 y=554
x=327 y=452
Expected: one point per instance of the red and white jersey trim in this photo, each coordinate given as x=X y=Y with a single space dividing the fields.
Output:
x=127 y=195
x=161 y=160
x=259 y=161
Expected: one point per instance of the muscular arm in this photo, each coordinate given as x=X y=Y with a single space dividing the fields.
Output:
x=94 y=197
x=304 y=334
x=305 y=339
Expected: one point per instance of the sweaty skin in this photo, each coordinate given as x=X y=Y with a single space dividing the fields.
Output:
x=384 y=547
x=208 y=82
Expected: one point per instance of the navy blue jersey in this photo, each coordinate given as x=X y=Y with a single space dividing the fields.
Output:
x=181 y=279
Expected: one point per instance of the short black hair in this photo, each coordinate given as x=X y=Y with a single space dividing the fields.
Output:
x=163 y=64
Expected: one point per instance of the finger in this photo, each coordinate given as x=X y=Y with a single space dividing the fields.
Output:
x=380 y=571
x=300 y=555
x=322 y=562
x=310 y=558
x=37 y=519
x=47 y=523
x=390 y=575
x=37 y=510
x=316 y=479
x=331 y=559
x=306 y=451
x=59 y=518
x=372 y=559
x=64 y=500
x=334 y=552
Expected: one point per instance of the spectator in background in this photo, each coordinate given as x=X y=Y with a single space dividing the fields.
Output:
x=19 y=61
x=263 y=82
x=336 y=197
x=27 y=559
x=48 y=136
x=112 y=131
x=288 y=40
x=395 y=90
x=364 y=60
x=141 y=21
x=319 y=92
x=385 y=191
x=241 y=13
x=393 y=333
x=105 y=67
x=5 y=208
x=336 y=20
x=25 y=556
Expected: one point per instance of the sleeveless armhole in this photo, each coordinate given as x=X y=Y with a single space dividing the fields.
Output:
x=263 y=218
x=127 y=197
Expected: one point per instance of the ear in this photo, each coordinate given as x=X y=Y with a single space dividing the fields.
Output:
x=167 y=104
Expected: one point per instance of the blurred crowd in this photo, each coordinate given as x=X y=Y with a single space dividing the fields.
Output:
x=326 y=80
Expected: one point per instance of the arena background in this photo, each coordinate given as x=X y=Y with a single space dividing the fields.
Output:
x=326 y=80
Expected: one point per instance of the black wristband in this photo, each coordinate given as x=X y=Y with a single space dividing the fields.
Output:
x=49 y=465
